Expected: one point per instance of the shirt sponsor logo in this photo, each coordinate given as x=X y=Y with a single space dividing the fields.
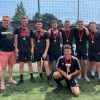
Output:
x=62 y=63
x=6 y=33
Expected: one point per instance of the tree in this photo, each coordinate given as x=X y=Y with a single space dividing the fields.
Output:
x=60 y=23
x=37 y=16
x=20 y=11
x=48 y=17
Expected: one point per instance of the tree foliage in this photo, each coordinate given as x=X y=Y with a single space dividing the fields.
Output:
x=20 y=11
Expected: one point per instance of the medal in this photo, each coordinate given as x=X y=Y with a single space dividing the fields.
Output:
x=67 y=35
x=38 y=35
x=80 y=34
x=92 y=41
x=67 y=40
x=55 y=35
x=38 y=40
x=24 y=38
x=54 y=40
x=92 y=35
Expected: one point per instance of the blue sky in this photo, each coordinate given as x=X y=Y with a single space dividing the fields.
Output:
x=62 y=9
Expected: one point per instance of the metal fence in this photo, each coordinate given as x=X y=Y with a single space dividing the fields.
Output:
x=73 y=10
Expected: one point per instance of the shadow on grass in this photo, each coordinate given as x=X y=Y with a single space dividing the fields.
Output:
x=27 y=86
x=87 y=88
x=64 y=94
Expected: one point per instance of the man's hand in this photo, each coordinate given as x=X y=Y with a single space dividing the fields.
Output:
x=69 y=76
x=85 y=27
x=17 y=50
x=87 y=31
x=32 y=51
x=49 y=31
x=44 y=55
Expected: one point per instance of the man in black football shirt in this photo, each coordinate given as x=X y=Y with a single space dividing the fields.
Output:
x=94 y=49
x=40 y=40
x=23 y=48
x=7 y=51
x=67 y=35
x=67 y=68
x=81 y=37
x=55 y=40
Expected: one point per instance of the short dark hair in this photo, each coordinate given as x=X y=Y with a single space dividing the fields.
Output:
x=67 y=46
x=79 y=21
x=67 y=21
x=54 y=21
x=92 y=23
x=24 y=17
x=38 y=21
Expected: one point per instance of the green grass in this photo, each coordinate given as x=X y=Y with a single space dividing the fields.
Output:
x=41 y=91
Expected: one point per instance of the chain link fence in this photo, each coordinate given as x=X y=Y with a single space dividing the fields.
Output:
x=87 y=10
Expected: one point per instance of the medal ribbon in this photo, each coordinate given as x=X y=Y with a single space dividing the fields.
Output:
x=92 y=35
x=24 y=32
x=38 y=35
x=54 y=34
x=80 y=34
x=67 y=34
x=70 y=61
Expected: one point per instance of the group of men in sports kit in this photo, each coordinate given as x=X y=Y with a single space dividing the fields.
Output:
x=39 y=44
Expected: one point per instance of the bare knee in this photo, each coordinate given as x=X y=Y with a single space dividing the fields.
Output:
x=75 y=91
x=29 y=63
x=85 y=62
x=39 y=64
x=56 y=75
x=46 y=64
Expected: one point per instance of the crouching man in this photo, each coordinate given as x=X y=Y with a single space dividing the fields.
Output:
x=67 y=68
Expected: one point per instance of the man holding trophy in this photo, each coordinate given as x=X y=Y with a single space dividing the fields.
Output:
x=67 y=68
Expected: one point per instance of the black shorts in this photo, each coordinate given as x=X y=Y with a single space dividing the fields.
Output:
x=54 y=57
x=24 y=56
x=70 y=83
x=38 y=57
x=82 y=54
x=94 y=57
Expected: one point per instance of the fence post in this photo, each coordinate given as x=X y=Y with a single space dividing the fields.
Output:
x=38 y=9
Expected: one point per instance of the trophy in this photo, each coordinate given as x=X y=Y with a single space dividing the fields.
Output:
x=68 y=68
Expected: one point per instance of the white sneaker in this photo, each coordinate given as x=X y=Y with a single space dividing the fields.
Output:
x=87 y=79
x=79 y=77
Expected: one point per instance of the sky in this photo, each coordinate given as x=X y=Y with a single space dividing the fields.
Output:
x=62 y=9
